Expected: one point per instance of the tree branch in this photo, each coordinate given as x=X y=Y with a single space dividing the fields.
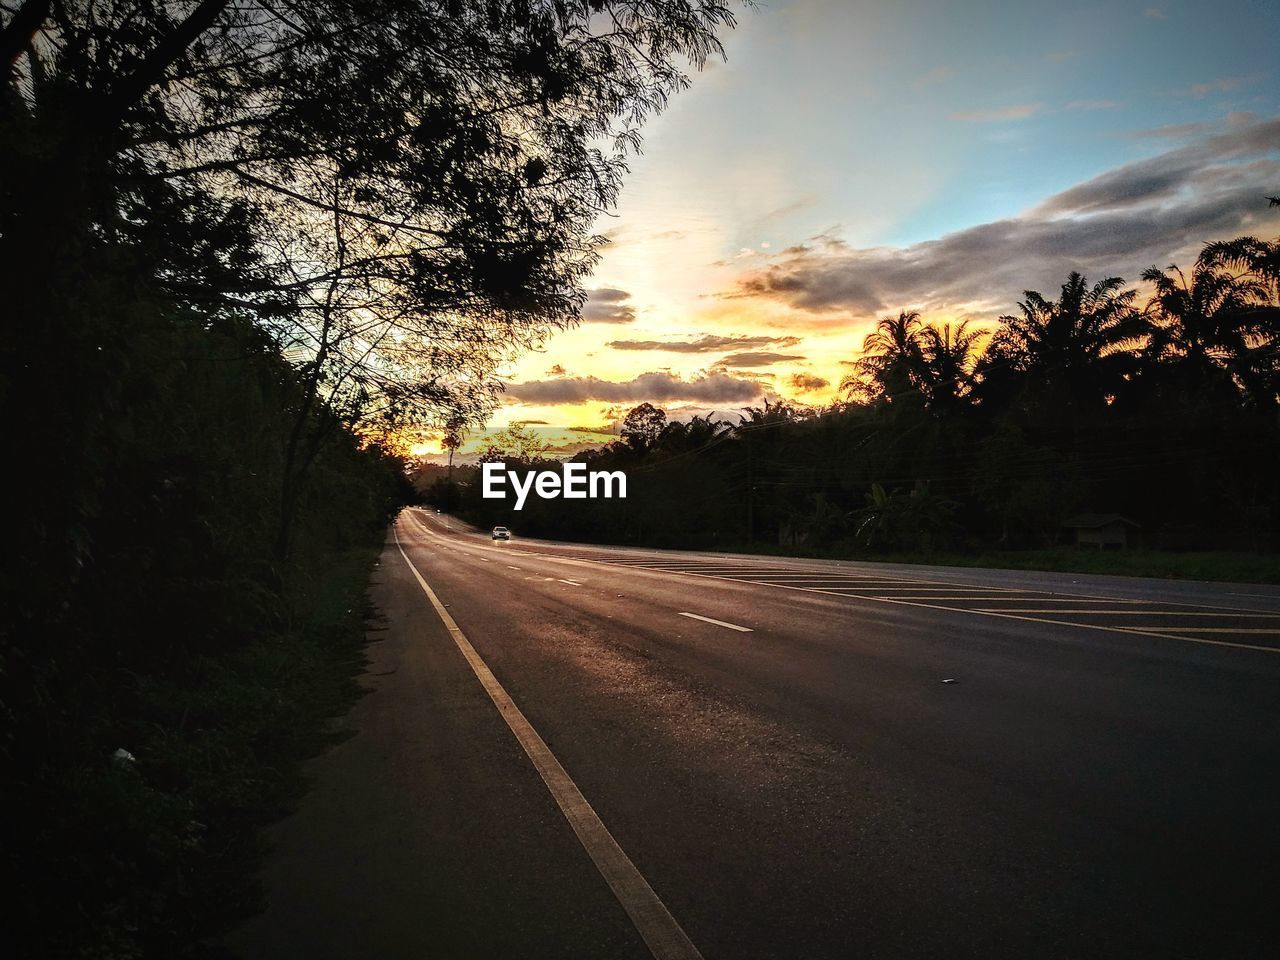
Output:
x=132 y=87
x=19 y=32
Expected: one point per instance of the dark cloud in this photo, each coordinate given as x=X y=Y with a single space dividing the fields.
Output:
x=1145 y=213
x=805 y=382
x=654 y=387
x=1190 y=169
x=756 y=359
x=705 y=344
x=608 y=305
x=556 y=370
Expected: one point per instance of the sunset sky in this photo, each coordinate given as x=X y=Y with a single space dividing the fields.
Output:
x=854 y=159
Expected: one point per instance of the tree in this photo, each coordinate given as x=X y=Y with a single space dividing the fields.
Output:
x=892 y=356
x=1261 y=261
x=946 y=372
x=817 y=522
x=400 y=192
x=916 y=519
x=642 y=427
x=515 y=443
x=1261 y=258
x=1070 y=352
x=454 y=431
x=1209 y=326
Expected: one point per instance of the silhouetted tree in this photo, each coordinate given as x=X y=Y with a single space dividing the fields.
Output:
x=642 y=427
x=1261 y=258
x=454 y=431
x=401 y=192
x=1208 y=326
x=1069 y=353
x=949 y=357
x=891 y=361
x=514 y=444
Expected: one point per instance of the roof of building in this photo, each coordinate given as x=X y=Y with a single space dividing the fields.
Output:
x=1091 y=521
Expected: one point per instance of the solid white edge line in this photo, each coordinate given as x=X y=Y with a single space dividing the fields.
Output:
x=658 y=928
x=718 y=623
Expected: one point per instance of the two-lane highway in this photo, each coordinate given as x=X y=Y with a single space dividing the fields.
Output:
x=594 y=752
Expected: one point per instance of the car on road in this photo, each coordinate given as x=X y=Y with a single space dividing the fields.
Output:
x=501 y=533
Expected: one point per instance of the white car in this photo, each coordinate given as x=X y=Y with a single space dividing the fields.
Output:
x=501 y=533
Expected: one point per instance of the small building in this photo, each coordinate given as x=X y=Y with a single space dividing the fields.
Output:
x=1106 y=531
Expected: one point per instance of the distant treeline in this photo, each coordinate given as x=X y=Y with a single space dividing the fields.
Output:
x=953 y=438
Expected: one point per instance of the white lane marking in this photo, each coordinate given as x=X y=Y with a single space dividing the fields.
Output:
x=572 y=583
x=941 y=588
x=925 y=593
x=661 y=933
x=1136 y=613
x=843 y=592
x=718 y=623
x=1188 y=628
x=1045 y=600
x=510 y=567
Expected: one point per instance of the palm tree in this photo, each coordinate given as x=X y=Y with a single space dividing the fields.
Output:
x=1074 y=348
x=1209 y=325
x=949 y=358
x=892 y=356
x=918 y=519
x=1257 y=354
x=1261 y=258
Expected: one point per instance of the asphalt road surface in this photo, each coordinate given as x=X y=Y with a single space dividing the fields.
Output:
x=588 y=752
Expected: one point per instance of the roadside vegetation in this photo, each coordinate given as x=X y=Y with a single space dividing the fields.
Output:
x=959 y=444
x=250 y=252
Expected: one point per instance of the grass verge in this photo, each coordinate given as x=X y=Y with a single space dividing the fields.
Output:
x=165 y=849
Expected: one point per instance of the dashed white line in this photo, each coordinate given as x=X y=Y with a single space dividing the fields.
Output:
x=718 y=623
x=572 y=583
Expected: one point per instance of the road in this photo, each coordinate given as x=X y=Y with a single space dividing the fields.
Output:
x=792 y=758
